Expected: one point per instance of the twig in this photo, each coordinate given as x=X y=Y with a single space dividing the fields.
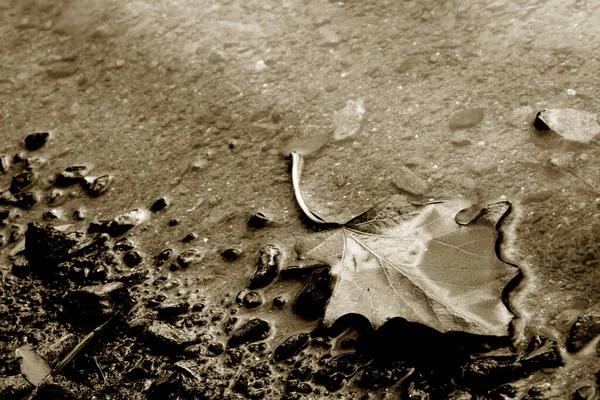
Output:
x=100 y=369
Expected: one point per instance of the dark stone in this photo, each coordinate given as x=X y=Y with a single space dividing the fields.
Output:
x=215 y=349
x=123 y=244
x=189 y=237
x=333 y=381
x=15 y=232
x=165 y=339
x=93 y=305
x=80 y=214
x=169 y=309
x=311 y=301
x=20 y=267
x=539 y=124
x=99 y=226
x=122 y=224
x=98 y=185
x=252 y=300
x=163 y=257
x=45 y=246
x=258 y=220
x=231 y=254
x=543 y=353
x=302 y=370
x=19 y=157
x=71 y=176
x=279 y=301
x=267 y=267
x=50 y=215
x=189 y=257
x=252 y=331
x=173 y=222
x=292 y=346
x=159 y=204
x=296 y=386
x=14 y=387
x=36 y=140
x=584 y=393
x=4 y=214
x=132 y=258
x=22 y=181
x=583 y=331
x=156 y=300
x=25 y=200
x=254 y=382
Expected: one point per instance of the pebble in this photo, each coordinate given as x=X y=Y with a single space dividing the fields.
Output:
x=169 y=309
x=22 y=181
x=122 y=224
x=407 y=181
x=4 y=163
x=173 y=222
x=583 y=331
x=99 y=185
x=190 y=237
x=292 y=346
x=56 y=197
x=231 y=254
x=347 y=121
x=71 y=176
x=311 y=301
x=159 y=204
x=252 y=300
x=258 y=220
x=80 y=214
x=36 y=140
x=123 y=244
x=267 y=267
x=279 y=301
x=166 y=339
x=163 y=257
x=132 y=258
x=61 y=71
x=251 y=331
x=189 y=257
x=466 y=118
x=92 y=305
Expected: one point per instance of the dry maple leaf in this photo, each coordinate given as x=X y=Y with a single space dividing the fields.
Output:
x=417 y=263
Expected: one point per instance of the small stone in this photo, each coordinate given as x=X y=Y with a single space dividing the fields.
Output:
x=173 y=222
x=4 y=163
x=190 y=237
x=311 y=301
x=163 y=257
x=267 y=267
x=52 y=215
x=91 y=305
x=20 y=267
x=61 y=71
x=169 y=309
x=258 y=220
x=585 y=393
x=252 y=300
x=80 y=214
x=124 y=222
x=25 y=200
x=56 y=197
x=97 y=186
x=36 y=140
x=466 y=118
x=331 y=87
x=166 y=339
x=132 y=258
x=347 y=121
x=407 y=181
x=71 y=176
x=252 y=331
x=292 y=346
x=123 y=244
x=22 y=181
x=231 y=254
x=15 y=233
x=279 y=301
x=159 y=205
x=215 y=349
x=44 y=246
x=583 y=331
x=189 y=257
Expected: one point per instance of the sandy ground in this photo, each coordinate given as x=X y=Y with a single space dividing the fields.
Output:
x=198 y=100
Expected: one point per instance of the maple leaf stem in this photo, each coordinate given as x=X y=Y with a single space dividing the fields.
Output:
x=297 y=163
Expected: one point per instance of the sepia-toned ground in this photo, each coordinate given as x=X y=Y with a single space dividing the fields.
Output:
x=199 y=101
